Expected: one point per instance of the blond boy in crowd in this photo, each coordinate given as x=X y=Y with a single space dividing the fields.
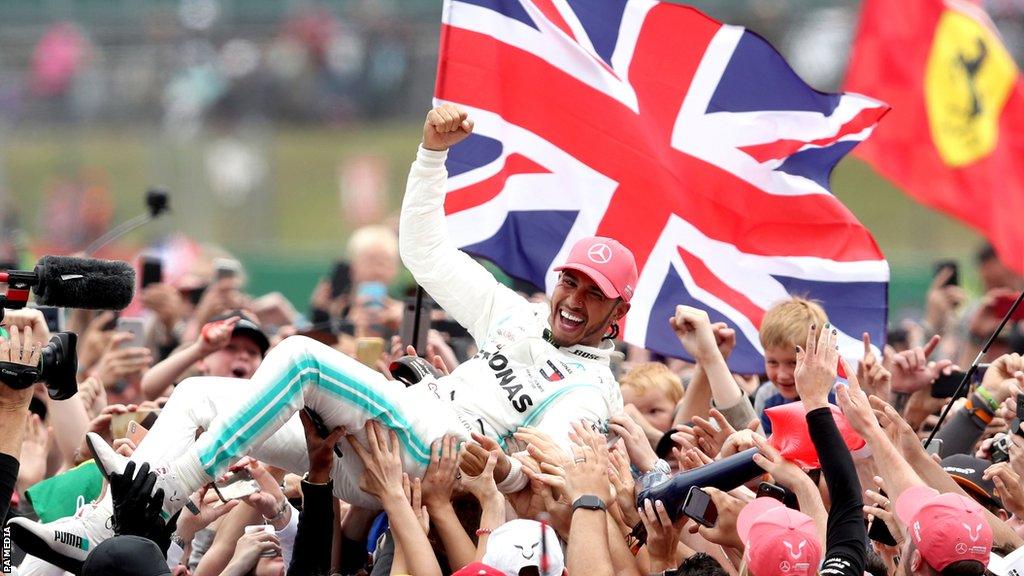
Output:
x=783 y=328
x=653 y=390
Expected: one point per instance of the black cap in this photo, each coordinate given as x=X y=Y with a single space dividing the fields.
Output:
x=246 y=327
x=968 y=472
x=126 y=556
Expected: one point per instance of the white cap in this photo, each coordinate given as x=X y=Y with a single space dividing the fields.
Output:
x=516 y=544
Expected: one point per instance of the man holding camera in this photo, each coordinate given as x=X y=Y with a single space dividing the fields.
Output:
x=541 y=365
x=26 y=333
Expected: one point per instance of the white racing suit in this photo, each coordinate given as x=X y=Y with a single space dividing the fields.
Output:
x=518 y=378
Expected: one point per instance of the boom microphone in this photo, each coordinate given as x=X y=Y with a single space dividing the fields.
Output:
x=67 y=282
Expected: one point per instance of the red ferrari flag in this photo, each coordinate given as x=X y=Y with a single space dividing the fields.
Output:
x=954 y=139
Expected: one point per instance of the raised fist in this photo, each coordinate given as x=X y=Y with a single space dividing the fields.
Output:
x=446 y=126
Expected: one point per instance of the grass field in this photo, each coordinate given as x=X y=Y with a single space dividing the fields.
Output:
x=293 y=226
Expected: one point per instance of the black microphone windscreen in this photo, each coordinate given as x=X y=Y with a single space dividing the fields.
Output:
x=69 y=282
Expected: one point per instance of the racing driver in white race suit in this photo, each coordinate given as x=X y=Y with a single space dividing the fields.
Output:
x=538 y=365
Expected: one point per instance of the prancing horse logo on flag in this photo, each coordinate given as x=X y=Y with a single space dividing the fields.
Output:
x=969 y=77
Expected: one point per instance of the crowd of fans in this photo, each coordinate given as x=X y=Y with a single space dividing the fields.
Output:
x=841 y=453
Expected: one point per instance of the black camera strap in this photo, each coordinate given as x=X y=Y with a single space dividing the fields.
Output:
x=18 y=376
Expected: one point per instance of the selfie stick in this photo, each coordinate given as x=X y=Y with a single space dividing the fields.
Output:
x=156 y=204
x=545 y=560
x=974 y=368
x=416 y=319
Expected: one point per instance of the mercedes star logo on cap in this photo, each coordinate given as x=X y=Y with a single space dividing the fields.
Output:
x=600 y=253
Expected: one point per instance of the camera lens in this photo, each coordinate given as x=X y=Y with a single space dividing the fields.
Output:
x=59 y=366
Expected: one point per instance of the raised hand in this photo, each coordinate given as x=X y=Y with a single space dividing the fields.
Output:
x=911 y=370
x=35 y=447
x=270 y=500
x=31 y=320
x=942 y=301
x=662 y=535
x=695 y=332
x=724 y=531
x=440 y=477
x=880 y=508
x=714 y=433
x=165 y=301
x=474 y=456
x=900 y=433
x=635 y=439
x=876 y=380
x=1001 y=377
x=19 y=348
x=816 y=366
x=482 y=486
x=855 y=405
x=119 y=363
x=382 y=460
x=540 y=446
x=446 y=126
x=320 y=450
x=1008 y=485
x=621 y=477
x=136 y=505
x=783 y=471
x=216 y=335
x=587 y=472
x=209 y=511
x=248 y=551
x=414 y=493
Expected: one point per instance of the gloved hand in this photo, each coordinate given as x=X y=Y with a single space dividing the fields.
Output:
x=137 y=507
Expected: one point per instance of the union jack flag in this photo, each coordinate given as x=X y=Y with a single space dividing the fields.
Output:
x=691 y=142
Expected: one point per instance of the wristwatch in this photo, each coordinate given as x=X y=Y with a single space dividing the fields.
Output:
x=979 y=411
x=588 y=502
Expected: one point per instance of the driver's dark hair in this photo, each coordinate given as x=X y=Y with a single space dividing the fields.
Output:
x=700 y=564
x=963 y=568
x=873 y=563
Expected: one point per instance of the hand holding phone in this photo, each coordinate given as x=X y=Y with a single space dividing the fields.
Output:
x=934 y=447
x=371 y=294
x=776 y=492
x=951 y=268
x=236 y=485
x=945 y=385
x=137 y=328
x=224 y=268
x=369 y=349
x=341 y=281
x=700 y=507
x=152 y=270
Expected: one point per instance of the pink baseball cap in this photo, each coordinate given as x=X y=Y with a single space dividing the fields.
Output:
x=607 y=262
x=779 y=541
x=946 y=528
x=478 y=569
x=792 y=438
